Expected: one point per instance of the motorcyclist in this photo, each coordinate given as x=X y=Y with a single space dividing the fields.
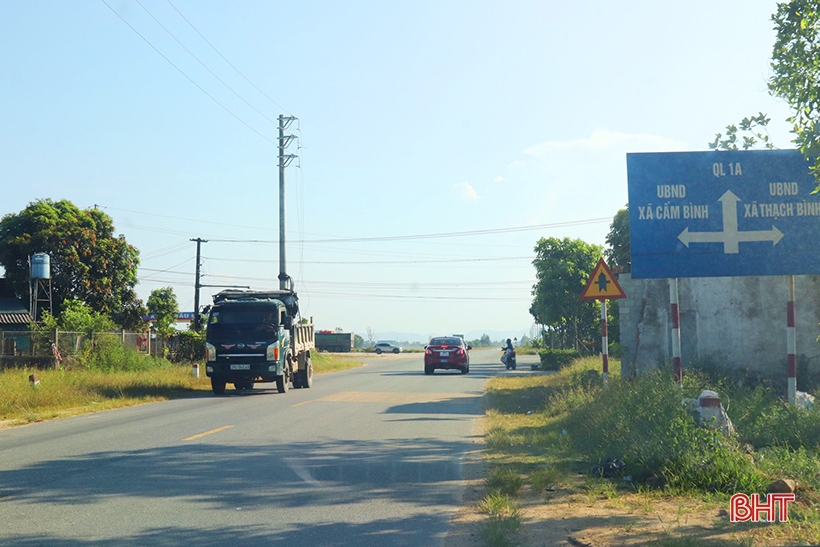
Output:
x=508 y=352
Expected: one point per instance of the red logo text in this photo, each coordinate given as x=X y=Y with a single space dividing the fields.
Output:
x=754 y=508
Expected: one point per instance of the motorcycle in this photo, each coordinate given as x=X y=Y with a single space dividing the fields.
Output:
x=508 y=358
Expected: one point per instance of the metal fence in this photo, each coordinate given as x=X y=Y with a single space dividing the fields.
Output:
x=31 y=348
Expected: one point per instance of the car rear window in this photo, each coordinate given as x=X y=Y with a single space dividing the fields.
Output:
x=445 y=342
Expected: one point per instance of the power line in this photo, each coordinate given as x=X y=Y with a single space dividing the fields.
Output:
x=410 y=285
x=513 y=229
x=430 y=236
x=171 y=249
x=186 y=76
x=106 y=207
x=373 y=262
x=226 y=59
x=201 y=63
x=167 y=270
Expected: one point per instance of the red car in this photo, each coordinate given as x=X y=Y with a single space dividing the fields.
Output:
x=448 y=352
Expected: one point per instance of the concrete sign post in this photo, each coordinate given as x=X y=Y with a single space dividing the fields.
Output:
x=724 y=213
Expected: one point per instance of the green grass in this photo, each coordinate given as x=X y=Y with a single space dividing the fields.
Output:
x=504 y=521
x=328 y=362
x=504 y=481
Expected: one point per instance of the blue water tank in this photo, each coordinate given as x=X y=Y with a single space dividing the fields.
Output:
x=40 y=266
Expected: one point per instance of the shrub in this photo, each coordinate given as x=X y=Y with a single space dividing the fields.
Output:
x=644 y=423
x=108 y=355
x=190 y=346
x=556 y=359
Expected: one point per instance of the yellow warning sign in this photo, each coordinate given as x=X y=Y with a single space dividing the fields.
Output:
x=602 y=285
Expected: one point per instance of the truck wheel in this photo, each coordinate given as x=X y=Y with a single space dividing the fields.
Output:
x=307 y=379
x=282 y=383
x=304 y=377
x=218 y=386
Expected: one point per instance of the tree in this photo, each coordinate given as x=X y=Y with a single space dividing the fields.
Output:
x=795 y=76
x=618 y=255
x=562 y=269
x=751 y=137
x=88 y=263
x=77 y=317
x=617 y=240
x=163 y=303
x=358 y=341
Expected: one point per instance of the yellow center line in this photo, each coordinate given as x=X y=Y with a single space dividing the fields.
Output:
x=211 y=432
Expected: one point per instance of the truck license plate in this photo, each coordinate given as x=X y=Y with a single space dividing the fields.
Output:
x=240 y=367
x=445 y=354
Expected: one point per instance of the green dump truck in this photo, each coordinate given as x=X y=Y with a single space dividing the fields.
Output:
x=256 y=336
x=327 y=340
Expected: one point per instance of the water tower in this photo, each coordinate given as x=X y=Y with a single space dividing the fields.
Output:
x=40 y=284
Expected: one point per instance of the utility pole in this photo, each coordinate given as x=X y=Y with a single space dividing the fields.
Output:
x=284 y=161
x=197 y=285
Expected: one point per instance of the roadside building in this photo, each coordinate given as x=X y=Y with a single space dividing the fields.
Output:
x=15 y=318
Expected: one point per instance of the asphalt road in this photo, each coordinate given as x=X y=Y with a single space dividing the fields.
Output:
x=372 y=456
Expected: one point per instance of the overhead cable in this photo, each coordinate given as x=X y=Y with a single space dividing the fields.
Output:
x=226 y=59
x=243 y=122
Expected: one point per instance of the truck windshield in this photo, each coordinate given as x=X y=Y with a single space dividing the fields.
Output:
x=242 y=319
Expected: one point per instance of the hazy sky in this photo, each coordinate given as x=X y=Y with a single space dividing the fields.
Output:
x=503 y=122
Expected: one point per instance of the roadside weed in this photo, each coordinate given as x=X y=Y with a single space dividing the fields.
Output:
x=545 y=478
x=496 y=504
x=504 y=481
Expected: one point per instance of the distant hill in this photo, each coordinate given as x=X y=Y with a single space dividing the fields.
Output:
x=498 y=335
x=495 y=335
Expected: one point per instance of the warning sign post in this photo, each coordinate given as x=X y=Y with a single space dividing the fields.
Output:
x=603 y=286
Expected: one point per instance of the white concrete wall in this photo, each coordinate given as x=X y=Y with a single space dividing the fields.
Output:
x=736 y=322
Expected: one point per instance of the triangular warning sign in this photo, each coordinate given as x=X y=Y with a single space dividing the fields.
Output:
x=602 y=285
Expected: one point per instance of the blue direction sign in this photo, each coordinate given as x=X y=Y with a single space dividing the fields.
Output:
x=727 y=213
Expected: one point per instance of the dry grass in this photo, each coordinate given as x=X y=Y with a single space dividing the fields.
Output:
x=62 y=393
x=69 y=392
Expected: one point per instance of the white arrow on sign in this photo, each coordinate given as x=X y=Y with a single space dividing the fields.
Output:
x=730 y=236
